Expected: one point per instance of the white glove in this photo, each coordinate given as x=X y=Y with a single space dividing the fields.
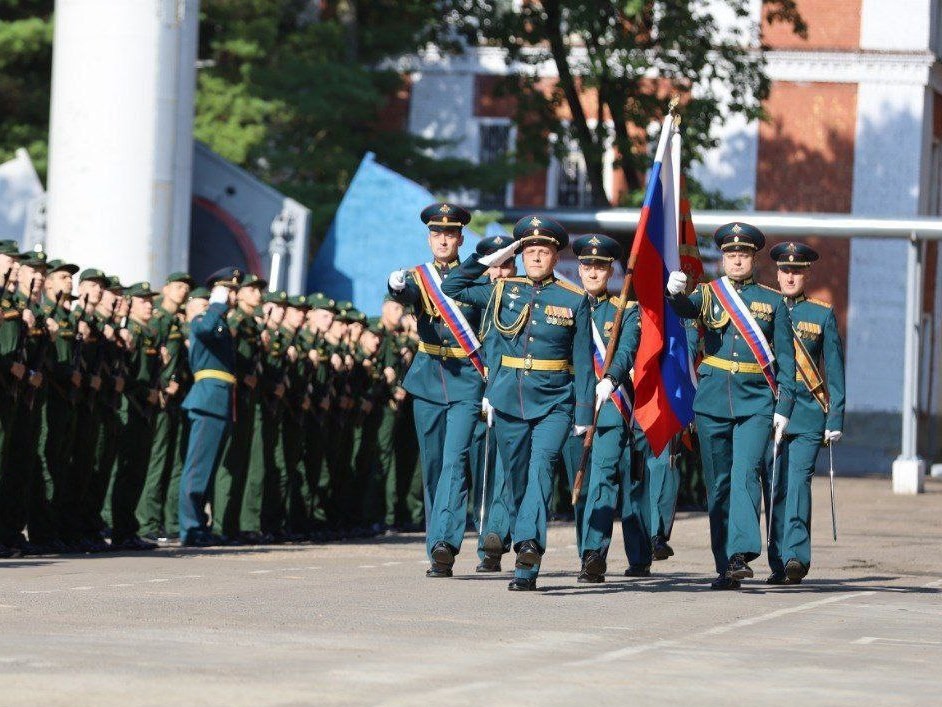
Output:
x=579 y=430
x=488 y=411
x=603 y=390
x=498 y=257
x=832 y=436
x=397 y=280
x=779 y=423
x=219 y=295
x=676 y=282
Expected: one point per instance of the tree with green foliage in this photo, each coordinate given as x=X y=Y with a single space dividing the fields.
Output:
x=25 y=72
x=633 y=55
x=295 y=92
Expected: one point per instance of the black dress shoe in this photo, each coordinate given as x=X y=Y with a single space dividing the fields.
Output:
x=724 y=583
x=638 y=571
x=519 y=584
x=200 y=540
x=776 y=578
x=589 y=578
x=143 y=545
x=251 y=537
x=794 y=570
x=6 y=552
x=660 y=548
x=437 y=571
x=488 y=564
x=493 y=545
x=528 y=555
x=443 y=554
x=593 y=562
x=738 y=569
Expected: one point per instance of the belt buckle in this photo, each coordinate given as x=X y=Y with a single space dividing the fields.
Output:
x=527 y=363
x=735 y=367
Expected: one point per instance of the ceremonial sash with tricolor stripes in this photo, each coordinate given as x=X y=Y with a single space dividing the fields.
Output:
x=747 y=327
x=621 y=398
x=430 y=282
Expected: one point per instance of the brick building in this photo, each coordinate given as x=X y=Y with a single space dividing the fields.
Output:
x=855 y=126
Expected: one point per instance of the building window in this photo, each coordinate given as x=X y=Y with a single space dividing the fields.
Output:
x=567 y=184
x=494 y=143
x=573 y=189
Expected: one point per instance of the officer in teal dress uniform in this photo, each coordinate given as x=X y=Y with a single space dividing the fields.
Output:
x=735 y=406
x=542 y=382
x=818 y=416
x=610 y=456
x=208 y=404
x=494 y=538
x=447 y=391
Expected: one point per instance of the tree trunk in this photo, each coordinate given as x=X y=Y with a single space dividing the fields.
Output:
x=347 y=16
x=608 y=93
x=592 y=152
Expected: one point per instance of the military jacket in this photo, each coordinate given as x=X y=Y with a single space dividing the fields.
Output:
x=245 y=332
x=211 y=348
x=532 y=321
x=143 y=364
x=727 y=394
x=816 y=326
x=60 y=354
x=170 y=333
x=603 y=314
x=436 y=378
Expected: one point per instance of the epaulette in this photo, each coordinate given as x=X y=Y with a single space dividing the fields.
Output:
x=814 y=300
x=616 y=302
x=514 y=279
x=572 y=288
x=770 y=289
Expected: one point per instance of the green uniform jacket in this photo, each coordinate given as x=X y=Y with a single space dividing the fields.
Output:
x=724 y=394
x=143 y=364
x=443 y=380
x=557 y=326
x=815 y=323
x=211 y=348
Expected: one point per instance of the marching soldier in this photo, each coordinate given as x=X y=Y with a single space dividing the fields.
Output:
x=494 y=538
x=611 y=447
x=297 y=403
x=89 y=345
x=157 y=511
x=209 y=404
x=446 y=380
x=12 y=372
x=230 y=479
x=818 y=416
x=745 y=392
x=319 y=320
x=141 y=399
x=55 y=501
x=545 y=334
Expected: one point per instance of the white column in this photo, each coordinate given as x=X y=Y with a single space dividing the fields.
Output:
x=119 y=140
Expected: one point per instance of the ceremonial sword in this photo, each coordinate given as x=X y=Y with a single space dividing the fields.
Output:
x=771 y=505
x=487 y=458
x=833 y=507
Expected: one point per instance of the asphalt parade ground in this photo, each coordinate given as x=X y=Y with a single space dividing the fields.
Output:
x=358 y=623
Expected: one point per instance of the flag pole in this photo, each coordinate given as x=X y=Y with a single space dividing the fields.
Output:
x=616 y=331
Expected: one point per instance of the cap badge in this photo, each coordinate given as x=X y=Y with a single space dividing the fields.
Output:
x=791 y=248
x=535 y=222
x=498 y=240
x=595 y=241
x=236 y=273
x=595 y=251
x=791 y=258
x=445 y=209
x=145 y=285
x=737 y=228
x=735 y=239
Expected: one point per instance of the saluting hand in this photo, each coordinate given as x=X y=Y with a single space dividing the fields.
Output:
x=499 y=257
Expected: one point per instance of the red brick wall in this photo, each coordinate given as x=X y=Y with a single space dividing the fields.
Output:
x=395 y=114
x=832 y=24
x=806 y=164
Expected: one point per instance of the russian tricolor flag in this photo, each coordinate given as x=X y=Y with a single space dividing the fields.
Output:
x=664 y=377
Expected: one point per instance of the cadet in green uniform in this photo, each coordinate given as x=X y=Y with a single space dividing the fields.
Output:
x=736 y=405
x=610 y=455
x=297 y=404
x=818 y=416
x=494 y=539
x=12 y=372
x=54 y=503
x=88 y=348
x=209 y=403
x=319 y=320
x=141 y=399
x=24 y=454
x=166 y=461
x=374 y=393
x=545 y=334
x=446 y=386
x=229 y=486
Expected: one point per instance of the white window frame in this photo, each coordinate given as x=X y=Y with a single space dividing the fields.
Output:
x=511 y=149
x=608 y=166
